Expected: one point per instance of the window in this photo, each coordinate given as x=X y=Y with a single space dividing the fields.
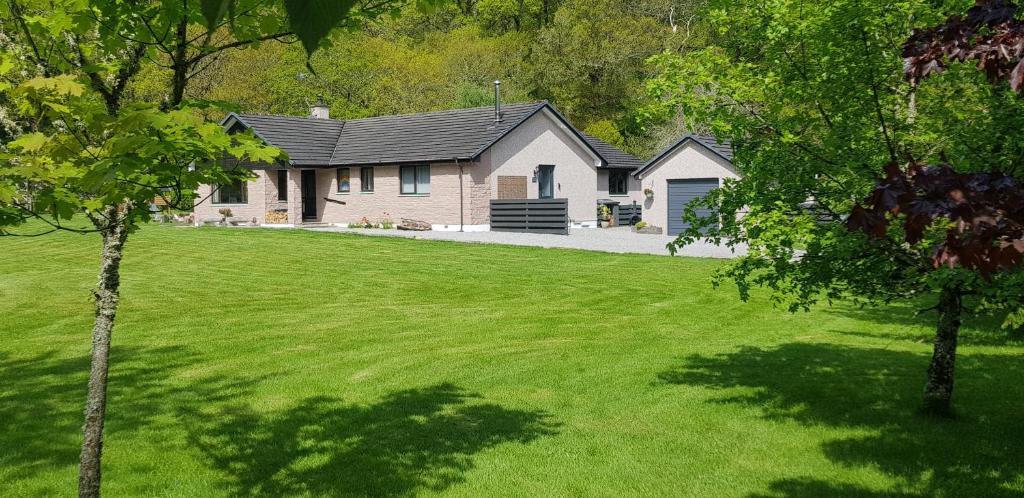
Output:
x=618 y=181
x=415 y=179
x=546 y=181
x=366 y=179
x=231 y=193
x=282 y=185
x=344 y=181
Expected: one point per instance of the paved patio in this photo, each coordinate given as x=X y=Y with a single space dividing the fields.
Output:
x=617 y=240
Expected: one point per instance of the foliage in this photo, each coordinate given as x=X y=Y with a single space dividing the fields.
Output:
x=984 y=214
x=812 y=98
x=988 y=34
x=448 y=57
x=607 y=131
x=88 y=160
x=588 y=60
x=977 y=216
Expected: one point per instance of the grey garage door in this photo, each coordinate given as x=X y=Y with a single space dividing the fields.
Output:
x=680 y=193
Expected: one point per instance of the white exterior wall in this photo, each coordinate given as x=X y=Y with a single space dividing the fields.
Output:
x=634 y=192
x=688 y=161
x=543 y=139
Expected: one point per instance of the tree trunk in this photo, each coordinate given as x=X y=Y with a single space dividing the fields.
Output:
x=938 y=393
x=106 y=296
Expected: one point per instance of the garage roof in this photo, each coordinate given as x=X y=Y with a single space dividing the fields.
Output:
x=720 y=149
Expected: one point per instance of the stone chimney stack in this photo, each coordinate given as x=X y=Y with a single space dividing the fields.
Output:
x=320 y=110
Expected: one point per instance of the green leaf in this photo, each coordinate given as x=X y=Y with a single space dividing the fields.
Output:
x=313 y=20
x=214 y=11
x=29 y=142
x=61 y=108
x=64 y=84
x=6 y=63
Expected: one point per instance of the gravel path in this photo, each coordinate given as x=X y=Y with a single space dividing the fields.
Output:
x=618 y=240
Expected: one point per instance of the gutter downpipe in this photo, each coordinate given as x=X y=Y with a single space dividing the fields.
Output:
x=462 y=208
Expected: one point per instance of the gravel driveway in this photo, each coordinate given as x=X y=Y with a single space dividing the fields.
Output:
x=618 y=240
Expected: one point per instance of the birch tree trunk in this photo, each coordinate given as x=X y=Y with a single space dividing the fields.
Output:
x=106 y=297
x=938 y=393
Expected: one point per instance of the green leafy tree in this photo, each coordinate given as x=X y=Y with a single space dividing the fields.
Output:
x=86 y=149
x=363 y=74
x=590 y=59
x=814 y=98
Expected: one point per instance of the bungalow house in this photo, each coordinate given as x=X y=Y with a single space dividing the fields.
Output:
x=442 y=168
x=686 y=170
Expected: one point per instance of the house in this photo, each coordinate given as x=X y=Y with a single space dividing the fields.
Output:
x=443 y=168
x=688 y=169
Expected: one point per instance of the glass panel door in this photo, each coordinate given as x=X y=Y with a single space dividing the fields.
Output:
x=546 y=181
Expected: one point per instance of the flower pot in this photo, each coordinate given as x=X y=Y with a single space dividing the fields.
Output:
x=605 y=223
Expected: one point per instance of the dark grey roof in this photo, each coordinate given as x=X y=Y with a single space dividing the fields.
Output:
x=615 y=158
x=427 y=137
x=723 y=150
x=308 y=141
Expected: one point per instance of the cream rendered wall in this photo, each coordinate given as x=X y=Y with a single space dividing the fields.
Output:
x=634 y=192
x=542 y=139
x=689 y=161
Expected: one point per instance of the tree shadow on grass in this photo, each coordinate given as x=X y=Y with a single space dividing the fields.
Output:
x=42 y=398
x=978 y=330
x=977 y=454
x=416 y=439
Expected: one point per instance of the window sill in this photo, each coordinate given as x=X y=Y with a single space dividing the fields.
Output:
x=343 y=193
x=414 y=195
x=229 y=204
x=618 y=195
x=366 y=193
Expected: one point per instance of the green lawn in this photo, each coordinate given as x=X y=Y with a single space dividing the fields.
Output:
x=292 y=363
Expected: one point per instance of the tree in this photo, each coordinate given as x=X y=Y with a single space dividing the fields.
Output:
x=590 y=59
x=813 y=96
x=87 y=152
x=979 y=216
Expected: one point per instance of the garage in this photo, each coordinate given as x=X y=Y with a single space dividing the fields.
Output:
x=686 y=170
x=680 y=193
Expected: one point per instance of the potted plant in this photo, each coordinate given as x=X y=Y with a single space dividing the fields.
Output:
x=649 y=192
x=225 y=213
x=605 y=215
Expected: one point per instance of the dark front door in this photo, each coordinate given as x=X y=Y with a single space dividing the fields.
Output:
x=309 y=195
x=546 y=181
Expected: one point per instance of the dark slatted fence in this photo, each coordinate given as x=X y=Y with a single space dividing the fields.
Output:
x=530 y=215
x=627 y=212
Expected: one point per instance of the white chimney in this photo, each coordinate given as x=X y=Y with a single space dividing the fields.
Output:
x=320 y=110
